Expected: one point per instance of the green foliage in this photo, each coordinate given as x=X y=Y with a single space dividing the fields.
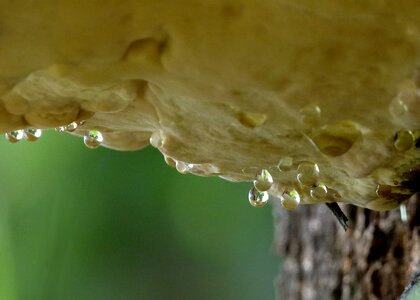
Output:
x=100 y=224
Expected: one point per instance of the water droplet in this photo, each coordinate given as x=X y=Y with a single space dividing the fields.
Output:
x=93 y=139
x=156 y=139
x=72 y=127
x=14 y=136
x=256 y=198
x=290 y=199
x=311 y=114
x=319 y=192
x=60 y=129
x=264 y=181
x=308 y=173
x=398 y=108
x=170 y=161
x=182 y=167
x=285 y=164
x=32 y=134
x=405 y=107
x=404 y=140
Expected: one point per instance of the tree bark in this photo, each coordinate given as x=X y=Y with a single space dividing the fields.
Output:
x=375 y=259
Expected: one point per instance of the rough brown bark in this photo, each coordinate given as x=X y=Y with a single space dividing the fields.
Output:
x=375 y=259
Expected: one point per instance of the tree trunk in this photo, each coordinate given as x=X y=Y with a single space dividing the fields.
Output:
x=375 y=259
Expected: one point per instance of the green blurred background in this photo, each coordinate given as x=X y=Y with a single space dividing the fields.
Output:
x=100 y=224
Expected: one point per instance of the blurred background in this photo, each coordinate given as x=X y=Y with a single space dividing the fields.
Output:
x=89 y=224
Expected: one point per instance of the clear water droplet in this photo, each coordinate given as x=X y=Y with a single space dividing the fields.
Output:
x=14 y=136
x=32 y=134
x=285 y=164
x=308 y=173
x=72 y=126
x=404 y=140
x=256 y=198
x=290 y=199
x=398 y=108
x=156 y=139
x=405 y=107
x=182 y=167
x=93 y=139
x=60 y=129
x=311 y=114
x=319 y=192
x=263 y=181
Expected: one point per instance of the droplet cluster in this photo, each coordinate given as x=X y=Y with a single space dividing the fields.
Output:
x=30 y=134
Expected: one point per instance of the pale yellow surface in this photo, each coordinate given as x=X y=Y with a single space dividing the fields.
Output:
x=229 y=87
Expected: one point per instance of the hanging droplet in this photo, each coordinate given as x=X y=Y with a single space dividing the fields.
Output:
x=319 y=192
x=72 y=127
x=404 y=140
x=93 y=139
x=285 y=164
x=256 y=198
x=182 y=167
x=308 y=173
x=14 y=136
x=405 y=107
x=398 y=107
x=32 y=134
x=156 y=139
x=60 y=129
x=264 y=181
x=290 y=199
x=311 y=114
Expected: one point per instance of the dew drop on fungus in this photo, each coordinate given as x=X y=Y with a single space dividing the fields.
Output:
x=405 y=107
x=285 y=164
x=72 y=127
x=182 y=167
x=308 y=173
x=311 y=114
x=14 y=136
x=93 y=139
x=32 y=134
x=290 y=199
x=60 y=129
x=263 y=181
x=404 y=140
x=256 y=198
x=319 y=192
x=156 y=139
x=398 y=107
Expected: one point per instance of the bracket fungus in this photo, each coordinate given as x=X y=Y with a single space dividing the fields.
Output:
x=228 y=88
